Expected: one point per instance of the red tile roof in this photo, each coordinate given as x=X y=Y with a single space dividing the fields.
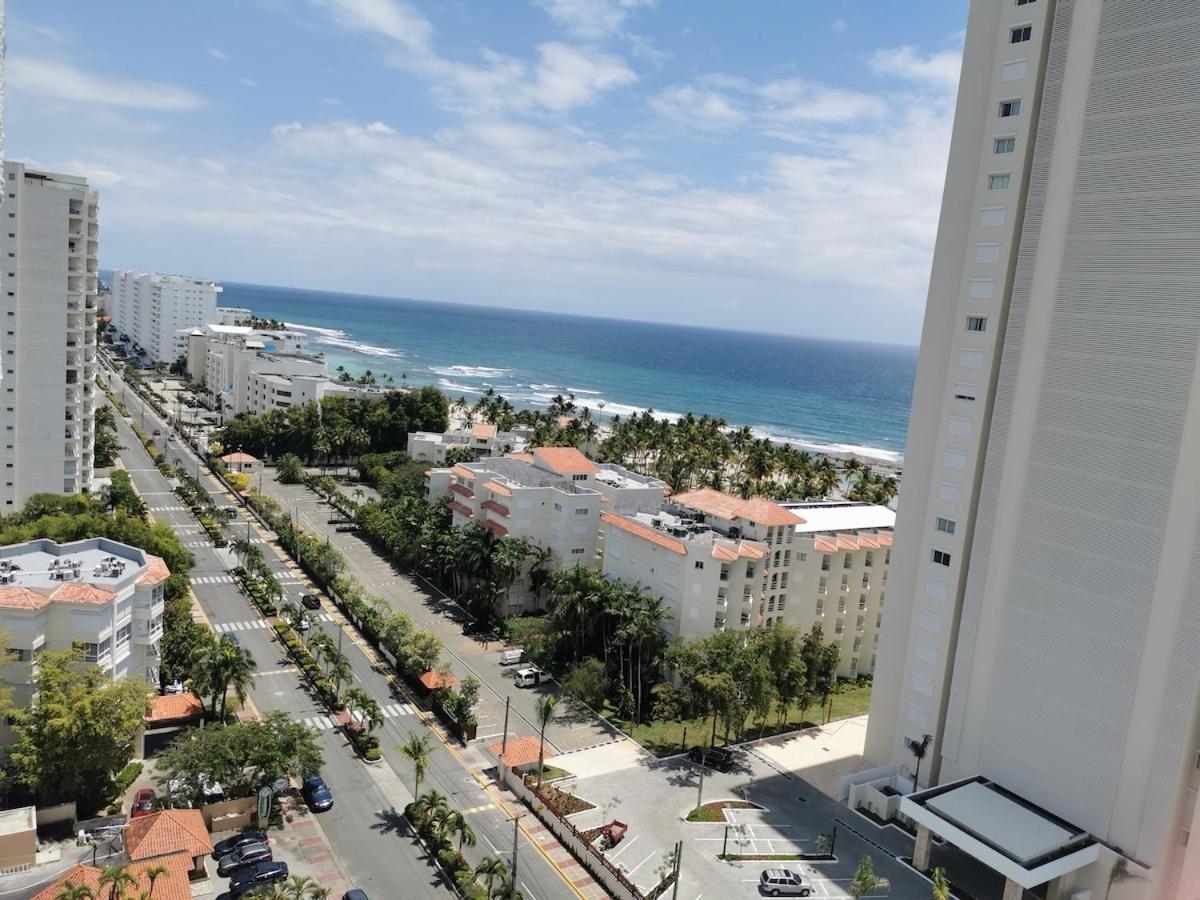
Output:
x=564 y=461
x=156 y=571
x=498 y=508
x=725 y=506
x=175 y=707
x=494 y=527
x=483 y=431
x=521 y=751
x=724 y=552
x=170 y=885
x=431 y=681
x=461 y=509
x=239 y=457
x=80 y=592
x=16 y=597
x=167 y=831
x=645 y=532
x=825 y=545
x=463 y=472
x=497 y=488
x=462 y=490
x=752 y=550
x=523 y=457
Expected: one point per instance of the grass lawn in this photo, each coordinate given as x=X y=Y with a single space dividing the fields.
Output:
x=667 y=738
x=550 y=773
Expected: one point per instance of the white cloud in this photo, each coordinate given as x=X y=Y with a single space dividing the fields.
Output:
x=704 y=109
x=380 y=128
x=59 y=81
x=217 y=53
x=592 y=18
x=568 y=76
x=939 y=70
x=248 y=82
x=286 y=128
x=386 y=18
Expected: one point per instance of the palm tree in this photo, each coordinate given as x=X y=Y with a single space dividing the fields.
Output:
x=545 y=712
x=865 y=881
x=339 y=671
x=321 y=644
x=153 y=873
x=918 y=750
x=430 y=807
x=116 y=878
x=493 y=872
x=238 y=674
x=241 y=549
x=298 y=887
x=74 y=892
x=455 y=823
x=417 y=750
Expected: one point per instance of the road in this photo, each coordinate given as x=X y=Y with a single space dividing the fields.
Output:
x=365 y=825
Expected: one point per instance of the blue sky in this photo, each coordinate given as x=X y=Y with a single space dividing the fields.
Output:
x=774 y=165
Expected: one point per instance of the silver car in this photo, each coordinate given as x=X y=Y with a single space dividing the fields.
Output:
x=241 y=857
x=784 y=882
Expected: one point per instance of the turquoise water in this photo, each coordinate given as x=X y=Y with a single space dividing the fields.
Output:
x=816 y=393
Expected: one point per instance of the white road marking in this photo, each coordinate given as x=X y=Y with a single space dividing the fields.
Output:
x=627 y=845
x=638 y=866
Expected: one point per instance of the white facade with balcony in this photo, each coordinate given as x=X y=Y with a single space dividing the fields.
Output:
x=48 y=261
x=155 y=312
x=481 y=439
x=99 y=595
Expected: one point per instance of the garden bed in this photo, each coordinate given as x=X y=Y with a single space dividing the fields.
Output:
x=780 y=857
x=714 y=812
x=558 y=802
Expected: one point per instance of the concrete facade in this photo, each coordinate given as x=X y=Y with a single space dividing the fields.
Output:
x=1044 y=617
x=47 y=386
x=156 y=312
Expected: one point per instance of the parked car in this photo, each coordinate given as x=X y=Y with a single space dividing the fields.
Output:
x=303 y=624
x=317 y=794
x=512 y=657
x=242 y=857
x=255 y=876
x=784 y=881
x=157 y=432
x=355 y=894
x=310 y=601
x=720 y=758
x=531 y=677
x=231 y=637
x=250 y=836
x=474 y=626
x=143 y=803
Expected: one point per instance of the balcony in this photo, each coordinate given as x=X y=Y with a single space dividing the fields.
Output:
x=722 y=603
x=719 y=623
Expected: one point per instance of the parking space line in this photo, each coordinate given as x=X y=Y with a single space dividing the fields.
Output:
x=629 y=874
x=632 y=841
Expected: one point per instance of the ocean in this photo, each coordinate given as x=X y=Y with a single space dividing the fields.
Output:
x=818 y=394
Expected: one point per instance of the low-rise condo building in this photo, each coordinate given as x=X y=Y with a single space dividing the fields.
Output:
x=99 y=595
x=550 y=497
x=482 y=439
x=154 y=312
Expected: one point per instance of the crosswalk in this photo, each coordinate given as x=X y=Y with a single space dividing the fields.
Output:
x=389 y=711
x=193 y=545
x=166 y=508
x=251 y=624
x=211 y=579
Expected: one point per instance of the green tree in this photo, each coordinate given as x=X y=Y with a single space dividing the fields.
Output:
x=455 y=825
x=545 y=712
x=74 y=892
x=106 y=447
x=493 y=872
x=116 y=878
x=219 y=666
x=80 y=732
x=587 y=682
x=289 y=470
x=941 y=886
x=865 y=881
x=417 y=750
x=420 y=651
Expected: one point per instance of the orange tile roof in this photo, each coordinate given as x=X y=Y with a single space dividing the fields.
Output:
x=462 y=490
x=868 y=541
x=723 y=552
x=170 y=885
x=725 y=506
x=885 y=538
x=564 y=461
x=494 y=527
x=431 y=681
x=497 y=488
x=523 y=457
x=156 y=571
x=463 y=472
x=174 y=707
x=645 y=532
x=847 y=542
x=80 y=592
x=752 y=550
x=825 y=545
x=461 y=509
x=16 y=597
x=495 y=507
x=521 y=751
x=167 y=831
x=239 y=457
x=483 y=431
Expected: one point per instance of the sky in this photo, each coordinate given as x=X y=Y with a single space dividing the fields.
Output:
x=772 y=165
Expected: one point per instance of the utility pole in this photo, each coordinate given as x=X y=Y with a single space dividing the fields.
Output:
x=504 y=740
x=678 y=860
x=700 y=789
x=512 y=888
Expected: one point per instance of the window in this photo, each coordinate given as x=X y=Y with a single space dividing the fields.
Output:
x=782 y=601
x=123 y=635
x=1009 y=108
x=801 y=556
x=964 y=391
x=998 y=182
x=19 y=654
x=581 y=511
x=944 y=525
x=846 y=561
x=699 y=564
x=1004 y=145
x=579 y=478
x=940 y=557
x=1025 y=2
x=558 y=507
x=577 y=551
x=869 y=559
x=91 y=651
x=825 y=563
x=1020 y=34
x=976 y=323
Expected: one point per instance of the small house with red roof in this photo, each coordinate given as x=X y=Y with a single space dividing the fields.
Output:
x=242 y=462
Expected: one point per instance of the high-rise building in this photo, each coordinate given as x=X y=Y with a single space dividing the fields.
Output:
x=1042 y=641
x=48 y=247
x=157 y=312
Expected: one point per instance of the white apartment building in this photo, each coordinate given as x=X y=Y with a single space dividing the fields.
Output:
x=232 y=315
x=549 y=497
x=482 y=439
x=49 y=247
x=1043 y=621
x=720 y=562
x=155 y=312
x=100 y=595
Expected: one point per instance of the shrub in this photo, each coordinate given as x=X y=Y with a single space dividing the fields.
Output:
x=128 y=776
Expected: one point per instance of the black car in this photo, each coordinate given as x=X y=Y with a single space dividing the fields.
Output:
x=475 y=626
x=355 y=894
x=310 y=601
x=255 y=876
x=720 y=758
x=317 y=794
x=227 y=846
x=231 y=637
x=241 y=858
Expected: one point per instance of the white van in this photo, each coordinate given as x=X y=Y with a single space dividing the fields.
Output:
x=530 y=677
x=512 y=657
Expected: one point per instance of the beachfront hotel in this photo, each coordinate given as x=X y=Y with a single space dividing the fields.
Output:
x=1043 y=616
x=49 y=245
x=101 y=596
x=721 y=563
x=553 y=497
x=154 y=313
x=482 y=439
